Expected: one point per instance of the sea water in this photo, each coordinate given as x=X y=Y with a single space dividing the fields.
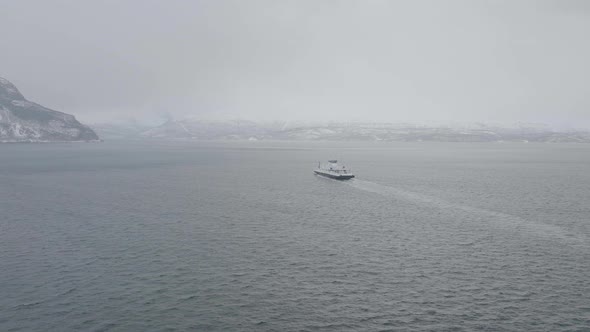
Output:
x=242 y=236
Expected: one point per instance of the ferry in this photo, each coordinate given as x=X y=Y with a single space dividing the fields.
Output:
x=334 y=171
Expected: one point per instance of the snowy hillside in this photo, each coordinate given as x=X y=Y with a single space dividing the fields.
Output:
x=248 y=130
x=25 y=121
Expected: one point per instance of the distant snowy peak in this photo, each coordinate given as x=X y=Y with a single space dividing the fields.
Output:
x=25 y=121
x=208 y=129
x=249 y=130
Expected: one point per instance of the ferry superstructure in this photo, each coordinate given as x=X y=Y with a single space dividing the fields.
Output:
x=333 y=170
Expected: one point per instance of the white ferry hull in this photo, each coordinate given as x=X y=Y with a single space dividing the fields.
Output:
x=334 y=176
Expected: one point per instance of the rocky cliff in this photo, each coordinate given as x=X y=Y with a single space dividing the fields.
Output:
x=25 y=121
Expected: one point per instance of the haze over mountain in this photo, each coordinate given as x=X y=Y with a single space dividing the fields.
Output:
x=25 y=121
x=266 y=60
x=200 y=129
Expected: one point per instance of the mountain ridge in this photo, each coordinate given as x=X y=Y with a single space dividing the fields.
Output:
x=251 y=130
x=24 y=121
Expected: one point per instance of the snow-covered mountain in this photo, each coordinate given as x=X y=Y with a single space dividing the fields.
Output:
x=248 y=130
x=25 y=121
x=208 y=130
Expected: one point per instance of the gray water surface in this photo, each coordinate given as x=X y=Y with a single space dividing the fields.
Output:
x=241 y=236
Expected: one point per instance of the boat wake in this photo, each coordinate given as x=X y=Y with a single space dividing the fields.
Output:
x=501 y=220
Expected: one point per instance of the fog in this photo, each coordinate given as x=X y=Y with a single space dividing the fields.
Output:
x=395 y=61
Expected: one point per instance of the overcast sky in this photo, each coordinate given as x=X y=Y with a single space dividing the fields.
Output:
x=397 y=61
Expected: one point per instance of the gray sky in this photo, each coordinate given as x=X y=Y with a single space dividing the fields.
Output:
x=417 y=61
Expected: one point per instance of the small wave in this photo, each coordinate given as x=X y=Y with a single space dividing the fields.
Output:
x=503 y=220
x=28 y=305
x=188 y=298
x=69 y=291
